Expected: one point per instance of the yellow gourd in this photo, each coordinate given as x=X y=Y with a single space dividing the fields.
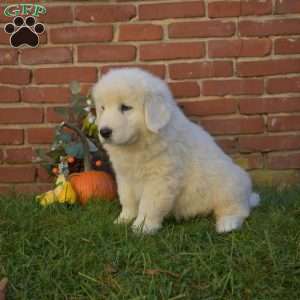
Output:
x=67 y=194
x=63 y=193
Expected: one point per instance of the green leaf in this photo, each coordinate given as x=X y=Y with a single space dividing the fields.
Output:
x=92 y=146
x=79 y=112
x=56 y=154
x=63 y=111
x=78 y=99
x=42 y=153
x=93 y=130
x=48 y=168
x=75 y=149
x=74 y=87
x=64 y=137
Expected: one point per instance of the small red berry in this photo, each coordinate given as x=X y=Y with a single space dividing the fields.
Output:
x=98 y=163
x=55 y=171
x=71 y=159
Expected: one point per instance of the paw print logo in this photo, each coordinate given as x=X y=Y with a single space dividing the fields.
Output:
x=24 y=32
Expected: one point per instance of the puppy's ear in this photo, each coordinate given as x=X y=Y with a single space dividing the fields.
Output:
x=157 y=112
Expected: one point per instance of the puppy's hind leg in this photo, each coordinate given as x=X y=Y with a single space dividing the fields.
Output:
x=129 y=203
x=231 y=213
x=229 y=223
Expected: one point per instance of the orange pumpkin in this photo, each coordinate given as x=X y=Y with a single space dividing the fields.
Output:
x=91 y=184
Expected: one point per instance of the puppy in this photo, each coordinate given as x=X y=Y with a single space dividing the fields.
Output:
x=164 y=163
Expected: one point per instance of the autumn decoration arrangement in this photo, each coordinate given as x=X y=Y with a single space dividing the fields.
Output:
x=77 y=160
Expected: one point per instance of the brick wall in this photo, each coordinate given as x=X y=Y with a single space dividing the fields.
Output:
x=233 y=65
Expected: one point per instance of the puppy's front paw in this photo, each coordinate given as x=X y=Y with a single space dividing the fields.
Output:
x=229 y=223
x=142 y=226
x=124 y=218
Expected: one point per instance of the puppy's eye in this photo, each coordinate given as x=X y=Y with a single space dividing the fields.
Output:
x=102 y=107
x=124 y=108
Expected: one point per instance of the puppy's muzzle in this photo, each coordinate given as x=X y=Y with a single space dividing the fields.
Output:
x=106 y=132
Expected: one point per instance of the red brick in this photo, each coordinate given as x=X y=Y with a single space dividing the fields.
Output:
x=17 y=174
x=43 y=175
x=57 y=14
x=45 y=94
x=184 y=89
x=283 y=85
x=86 y=34
x=256 y=7
x=5 y=189
x=284 y=123
x=269 y=143
x=53 y=55
x=105 y=13
x=52 y=116
x=268 y=67
x=8 y=56
x=4 y=38
x=234 y=125
x=21 y=115
x=239 y=48
x=209 y=107
x=1 y=156
x=43 y=38
x=284 y=161
x=269 y=105
x=20 y=155
x=269 y=27
x=14 y=76
x=86 y=88
x=11 y=136
x=9 y=94
x=239 y=8
x=161 y=11
x=140 y=32
x=287 y=46
x=287 y=7
x=224 y=9
x=229 y=145
x=201 y=69
x=40 y=135
x=106 y=53
x=166 y=51
x=232 y=87
x=158 y=70
x=64 y=75
x=3 y=18
x=33 y=189
x=201 y=29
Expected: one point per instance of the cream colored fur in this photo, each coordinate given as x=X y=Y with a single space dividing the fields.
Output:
x=164 y=163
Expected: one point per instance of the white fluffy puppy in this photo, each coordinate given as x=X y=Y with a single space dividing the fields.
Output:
x=164 y=163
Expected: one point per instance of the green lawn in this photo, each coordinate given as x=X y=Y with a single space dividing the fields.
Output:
x=64 y=252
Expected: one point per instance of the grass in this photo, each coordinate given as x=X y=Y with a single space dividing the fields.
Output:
x=69 y=253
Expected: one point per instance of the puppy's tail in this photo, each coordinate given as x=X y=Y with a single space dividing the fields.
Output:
x=254 y=200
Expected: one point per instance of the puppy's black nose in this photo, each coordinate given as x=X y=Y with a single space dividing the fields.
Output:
x=105 y=132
